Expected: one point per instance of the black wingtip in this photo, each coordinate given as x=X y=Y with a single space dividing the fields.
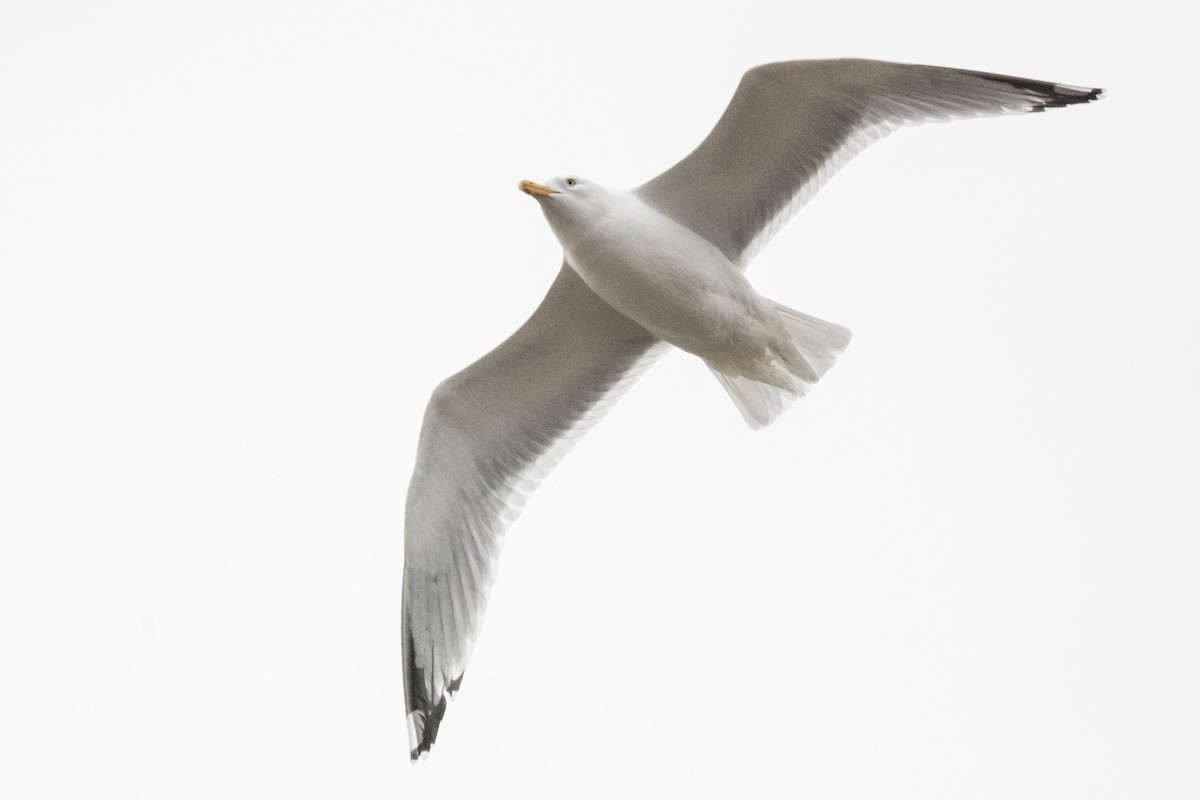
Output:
x=432 y=718
x=1052 y=95
x=1062 y=96
x=424 y=713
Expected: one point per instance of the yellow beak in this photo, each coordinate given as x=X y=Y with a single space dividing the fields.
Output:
x=535 y=189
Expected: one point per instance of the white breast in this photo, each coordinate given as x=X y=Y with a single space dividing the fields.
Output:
x=672 y=281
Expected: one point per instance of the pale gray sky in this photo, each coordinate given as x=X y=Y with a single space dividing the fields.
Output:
x=241 y=242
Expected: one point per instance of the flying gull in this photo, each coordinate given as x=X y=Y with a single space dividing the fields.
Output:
x=645 y=269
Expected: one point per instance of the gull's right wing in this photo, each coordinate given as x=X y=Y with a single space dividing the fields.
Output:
x=491 y=432
x=792 y=124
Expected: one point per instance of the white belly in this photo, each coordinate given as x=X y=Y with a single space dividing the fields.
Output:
x=672 y=282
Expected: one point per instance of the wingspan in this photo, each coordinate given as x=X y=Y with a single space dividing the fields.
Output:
x=792 y=124
x=491 y=432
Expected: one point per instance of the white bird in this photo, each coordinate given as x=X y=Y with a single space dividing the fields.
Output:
x=645 y=269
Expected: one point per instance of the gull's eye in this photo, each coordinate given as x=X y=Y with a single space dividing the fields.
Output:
x=571 y=181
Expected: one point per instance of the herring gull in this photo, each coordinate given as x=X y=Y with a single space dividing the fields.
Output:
x=645 y=269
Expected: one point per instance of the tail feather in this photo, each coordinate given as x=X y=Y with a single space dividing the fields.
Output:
x=819 y=343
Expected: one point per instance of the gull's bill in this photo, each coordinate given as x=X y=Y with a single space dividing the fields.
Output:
x=492 y=431
x=535 y=189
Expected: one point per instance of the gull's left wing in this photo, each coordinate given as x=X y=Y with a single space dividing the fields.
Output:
x=792 y=124
x=490 y=433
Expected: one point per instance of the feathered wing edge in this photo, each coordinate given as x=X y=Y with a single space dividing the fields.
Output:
x=491 y=433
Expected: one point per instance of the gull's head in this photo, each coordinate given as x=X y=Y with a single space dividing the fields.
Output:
x=569 y=202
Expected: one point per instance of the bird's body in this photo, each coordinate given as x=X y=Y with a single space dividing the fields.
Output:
x=644 y=269
x=670 y=280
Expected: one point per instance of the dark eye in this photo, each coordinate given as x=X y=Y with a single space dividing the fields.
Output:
x=571 y=181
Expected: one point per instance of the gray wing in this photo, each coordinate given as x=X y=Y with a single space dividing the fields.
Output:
x=792 y=124
x=490 y=433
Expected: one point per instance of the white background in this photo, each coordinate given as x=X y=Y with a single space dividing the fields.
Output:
x=241 y=242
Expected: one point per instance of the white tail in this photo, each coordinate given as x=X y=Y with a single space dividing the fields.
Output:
x=819 y=342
